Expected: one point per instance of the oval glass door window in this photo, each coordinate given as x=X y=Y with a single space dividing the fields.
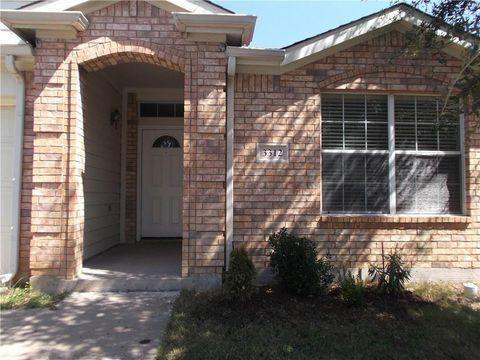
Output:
x=166 y=141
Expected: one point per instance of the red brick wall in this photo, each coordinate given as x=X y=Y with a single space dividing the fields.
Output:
x=286 y=109
x=52 y=205
x=26 y=195
x=131 y=175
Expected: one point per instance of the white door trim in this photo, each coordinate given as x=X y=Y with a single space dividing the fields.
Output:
x=140 y=129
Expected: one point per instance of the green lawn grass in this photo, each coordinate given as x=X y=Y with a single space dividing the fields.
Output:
x=26 y=297
x=274 y=325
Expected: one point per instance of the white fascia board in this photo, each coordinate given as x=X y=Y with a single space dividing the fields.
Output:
x=85 y=6
x=266 y=60
x=64 y=23
x=54 y=5
x=229 y=24
x=19 y=50
x=88 y=6
x=252 y=56
x=12 y=44
x=22 y=53
x=8 y=37
x=335 y=38
x=455 y=48
x=194 y=7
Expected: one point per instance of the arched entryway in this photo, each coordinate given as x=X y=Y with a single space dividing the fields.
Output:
x=133 y=112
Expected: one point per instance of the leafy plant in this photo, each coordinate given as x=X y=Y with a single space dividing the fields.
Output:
x=353 y=289
x=392 y=275
x=295 y=260
x=457 y=20
x=325 y=272
x=239 y=279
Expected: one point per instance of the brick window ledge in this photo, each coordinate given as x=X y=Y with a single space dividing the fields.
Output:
x=395 y=219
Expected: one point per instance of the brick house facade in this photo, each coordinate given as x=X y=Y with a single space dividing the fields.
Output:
x=286 y=108
x=269 y=106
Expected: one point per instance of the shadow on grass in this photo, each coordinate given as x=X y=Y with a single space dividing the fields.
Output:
x=278 y=326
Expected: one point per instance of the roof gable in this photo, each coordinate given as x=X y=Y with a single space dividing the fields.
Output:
x=88 y=6
x=199 y=20
x=400 y=17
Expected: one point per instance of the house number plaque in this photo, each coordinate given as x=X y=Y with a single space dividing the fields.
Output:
x=272 y=153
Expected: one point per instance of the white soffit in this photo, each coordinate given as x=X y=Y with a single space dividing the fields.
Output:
x=56 y=24
x=268 y=61
x=231 y=28
x=12 y=44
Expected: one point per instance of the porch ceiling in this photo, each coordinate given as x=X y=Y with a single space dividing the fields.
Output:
x=142 y=76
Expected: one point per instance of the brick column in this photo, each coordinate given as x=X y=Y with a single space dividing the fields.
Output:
x=206 y=160
x=131 y=175
x=58 y=158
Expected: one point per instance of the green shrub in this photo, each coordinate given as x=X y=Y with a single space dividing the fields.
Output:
x=392 y=276
x=240 y=277
x=353 y=289
x=295 y=260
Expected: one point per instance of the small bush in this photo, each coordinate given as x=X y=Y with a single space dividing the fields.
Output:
x=294 y=259
x=353 y=289
x=392 y=276
x=239 y=279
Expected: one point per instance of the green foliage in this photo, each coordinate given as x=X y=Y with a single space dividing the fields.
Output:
x=239 y=279
x=26 y=297
x=295 y=261
x=353 y=289
x=276 y=326
x=392 y=276
x=456 y=19
x=325 y=272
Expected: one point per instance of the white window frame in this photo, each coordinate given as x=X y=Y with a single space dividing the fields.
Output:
x=392 y=152
x=164 y=102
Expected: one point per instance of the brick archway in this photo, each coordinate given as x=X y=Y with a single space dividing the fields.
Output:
x=100 y=56
x=372 y=69
x=54 y=220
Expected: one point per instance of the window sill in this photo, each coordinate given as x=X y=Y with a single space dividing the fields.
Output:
x=395 y=219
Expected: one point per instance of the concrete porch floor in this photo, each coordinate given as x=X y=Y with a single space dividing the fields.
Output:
x=159 y=258
x=151 y=265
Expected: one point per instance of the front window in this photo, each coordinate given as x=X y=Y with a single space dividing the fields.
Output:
x=382 y=155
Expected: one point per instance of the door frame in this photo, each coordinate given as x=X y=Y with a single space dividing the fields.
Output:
x=140 y=129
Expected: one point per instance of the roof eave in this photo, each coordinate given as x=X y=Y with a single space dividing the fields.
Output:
x=23 y=55
x=330 y=42
x=46 y=24
x=88 y=6
x=234 y=29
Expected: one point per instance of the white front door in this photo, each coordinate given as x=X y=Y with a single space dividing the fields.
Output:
x=162 y=183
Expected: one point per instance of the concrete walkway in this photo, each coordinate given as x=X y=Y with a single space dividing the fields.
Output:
x=88 y=326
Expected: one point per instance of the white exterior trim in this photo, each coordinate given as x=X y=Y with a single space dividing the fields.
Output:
x=270 y=61
x=229 y=160
x=239 y=27
x=463 y=180
x=17 y=166
x=392 y=155
x=87 y=6
x=56 y=24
